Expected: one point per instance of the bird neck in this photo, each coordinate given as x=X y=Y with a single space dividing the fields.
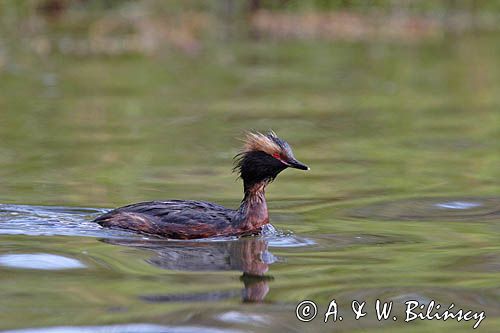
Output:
x=252 y=213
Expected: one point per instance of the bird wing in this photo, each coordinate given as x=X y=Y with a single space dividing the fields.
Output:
x=173 y=218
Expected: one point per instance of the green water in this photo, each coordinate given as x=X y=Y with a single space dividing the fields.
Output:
x=402 y=200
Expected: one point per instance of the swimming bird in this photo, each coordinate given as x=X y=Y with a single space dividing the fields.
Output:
x=260 y=161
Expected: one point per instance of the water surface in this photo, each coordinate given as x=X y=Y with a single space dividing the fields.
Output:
x=402 y=200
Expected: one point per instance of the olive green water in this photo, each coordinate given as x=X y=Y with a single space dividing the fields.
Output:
x=402 y=201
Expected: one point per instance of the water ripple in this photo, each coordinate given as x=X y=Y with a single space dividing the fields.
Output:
x=43 y=261
x=426 y=209
x=77 y=221
x=49 y=221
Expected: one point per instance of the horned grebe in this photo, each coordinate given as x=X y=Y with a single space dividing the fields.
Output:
x=263 y=157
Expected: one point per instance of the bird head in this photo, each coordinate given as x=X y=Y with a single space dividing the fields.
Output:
x=263 y=157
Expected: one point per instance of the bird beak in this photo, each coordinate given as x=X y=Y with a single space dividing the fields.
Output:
x=298 y=165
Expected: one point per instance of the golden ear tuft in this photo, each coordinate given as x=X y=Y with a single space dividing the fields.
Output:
x=255 y=141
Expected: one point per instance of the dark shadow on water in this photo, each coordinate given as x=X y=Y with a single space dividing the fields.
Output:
x=487 y=262
x=473 y=209
x=248 y=255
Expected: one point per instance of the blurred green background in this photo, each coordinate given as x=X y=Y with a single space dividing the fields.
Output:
x=393 y=104
x=108 y=102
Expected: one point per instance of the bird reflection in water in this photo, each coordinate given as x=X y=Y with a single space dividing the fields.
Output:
x=249 y=255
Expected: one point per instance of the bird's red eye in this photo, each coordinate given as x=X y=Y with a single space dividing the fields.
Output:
x=277 y=156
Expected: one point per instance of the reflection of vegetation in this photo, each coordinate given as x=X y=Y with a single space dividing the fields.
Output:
x=88 y=27
x=377 y=120
x=371 y=118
